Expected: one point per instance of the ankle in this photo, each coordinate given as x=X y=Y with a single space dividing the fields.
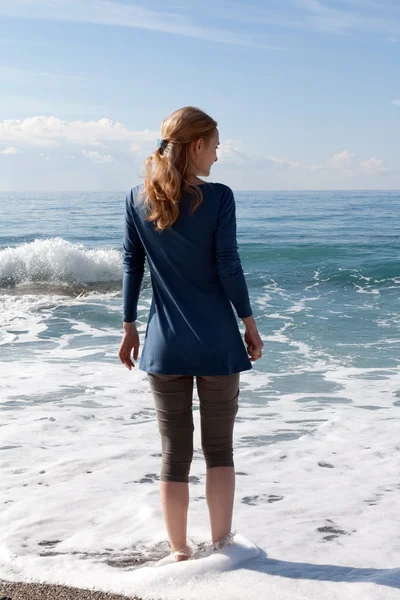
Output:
x=220 y=537
x=224 y=540
x=182 y=547
x=181 y=557
x=183 y=554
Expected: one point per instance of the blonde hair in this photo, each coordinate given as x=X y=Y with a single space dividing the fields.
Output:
x=168 y=169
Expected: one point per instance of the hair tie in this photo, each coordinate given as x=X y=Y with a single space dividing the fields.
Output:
x=161 y=145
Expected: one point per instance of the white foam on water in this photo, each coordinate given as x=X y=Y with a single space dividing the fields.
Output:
x=58 y=260
x=317 y=486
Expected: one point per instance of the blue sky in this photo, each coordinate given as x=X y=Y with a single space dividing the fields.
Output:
x=306 y=92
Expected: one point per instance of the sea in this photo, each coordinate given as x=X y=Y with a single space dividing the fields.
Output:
x=317 y=437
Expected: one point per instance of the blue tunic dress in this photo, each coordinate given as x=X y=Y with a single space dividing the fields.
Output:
x=196 y=277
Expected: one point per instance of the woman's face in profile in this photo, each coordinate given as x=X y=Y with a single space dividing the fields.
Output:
x=206 y=154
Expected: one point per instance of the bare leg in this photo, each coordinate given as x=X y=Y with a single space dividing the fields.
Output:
x=173 y=401
x=175 y=504
x=220 y=493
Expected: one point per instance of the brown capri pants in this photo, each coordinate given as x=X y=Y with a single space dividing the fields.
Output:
x=173 y=396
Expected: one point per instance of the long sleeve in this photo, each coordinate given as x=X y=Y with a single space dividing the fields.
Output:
x=229 y=265
x=133 y=259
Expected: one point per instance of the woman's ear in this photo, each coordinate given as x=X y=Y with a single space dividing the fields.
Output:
x=198 y=146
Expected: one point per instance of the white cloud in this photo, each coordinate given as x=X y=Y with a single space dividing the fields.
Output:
x=373 y=165
x=232 y=151
x=396 y=102
x=103 y=140
x=341 y=157
x=282 y=163
x=344 y=163
x=51 y=131
x=97 y=157
x=9 y=150
x=341 y=161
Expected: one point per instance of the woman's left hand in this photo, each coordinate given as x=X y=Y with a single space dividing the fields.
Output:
x=130 y=341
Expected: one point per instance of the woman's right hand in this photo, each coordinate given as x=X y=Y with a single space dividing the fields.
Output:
x=252 y=339
x=130 y=341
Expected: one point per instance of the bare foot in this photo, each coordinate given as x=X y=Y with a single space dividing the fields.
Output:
x=180 y=557
x=183 y=554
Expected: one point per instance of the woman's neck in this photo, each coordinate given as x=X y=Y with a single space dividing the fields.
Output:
x=195 y=181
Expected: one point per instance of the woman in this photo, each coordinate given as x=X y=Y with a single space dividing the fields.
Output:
x=187 y=230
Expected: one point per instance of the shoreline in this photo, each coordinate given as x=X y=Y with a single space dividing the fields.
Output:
x=10 y=590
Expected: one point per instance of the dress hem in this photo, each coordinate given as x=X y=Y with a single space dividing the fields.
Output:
x=202 y=373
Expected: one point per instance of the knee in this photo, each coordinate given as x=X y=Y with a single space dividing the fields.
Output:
x=177 y=456
x=218 y=453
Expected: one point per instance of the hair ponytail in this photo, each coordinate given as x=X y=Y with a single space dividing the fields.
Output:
x=168 y=169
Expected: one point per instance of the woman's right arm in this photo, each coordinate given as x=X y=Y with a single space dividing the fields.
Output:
x=253 y=340
x=231 y=273
x=228 y=260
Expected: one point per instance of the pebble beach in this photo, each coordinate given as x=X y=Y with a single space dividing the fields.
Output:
x=42 y=591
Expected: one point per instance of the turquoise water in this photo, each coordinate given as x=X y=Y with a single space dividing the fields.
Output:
x=322 y=267
x=316 y=436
